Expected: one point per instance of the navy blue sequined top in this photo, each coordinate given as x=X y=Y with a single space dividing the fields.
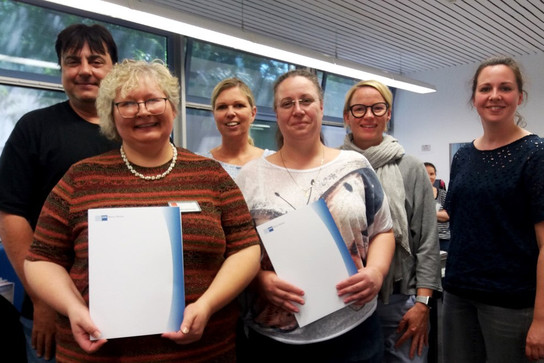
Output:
x=494 y=200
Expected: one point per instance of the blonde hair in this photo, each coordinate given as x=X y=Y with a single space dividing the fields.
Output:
x=378 y=86
x=229 y=83
x=125 y=77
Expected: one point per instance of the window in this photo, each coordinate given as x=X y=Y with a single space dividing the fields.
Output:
x=27 y=52
x=208 y=64
x=16 y=101
x=30 y=46
x=335 y=89
x=201 y=127
x=334 y=135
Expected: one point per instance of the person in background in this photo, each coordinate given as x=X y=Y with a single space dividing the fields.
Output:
x=234 y=111
x=302 y=171
x=441 y=214
x=439 y=184
x=137 y=105
x=494 y=282
x=41 y=148
x=415 y=271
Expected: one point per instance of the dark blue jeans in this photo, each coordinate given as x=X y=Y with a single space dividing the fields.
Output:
x=390 y=316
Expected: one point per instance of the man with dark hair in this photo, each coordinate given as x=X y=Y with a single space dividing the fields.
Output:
x=41 y=148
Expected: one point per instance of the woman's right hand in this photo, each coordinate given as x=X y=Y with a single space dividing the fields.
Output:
x=279 y=292
x=83 y=328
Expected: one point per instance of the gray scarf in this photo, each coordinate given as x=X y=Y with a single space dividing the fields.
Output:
x=384 y=158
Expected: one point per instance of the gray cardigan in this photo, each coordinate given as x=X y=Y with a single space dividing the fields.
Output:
x=422 y=268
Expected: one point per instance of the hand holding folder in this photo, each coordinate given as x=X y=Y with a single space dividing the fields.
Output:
x=135 y=270
x=307 y=250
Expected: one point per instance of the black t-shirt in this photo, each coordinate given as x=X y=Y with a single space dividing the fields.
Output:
x=40 y=149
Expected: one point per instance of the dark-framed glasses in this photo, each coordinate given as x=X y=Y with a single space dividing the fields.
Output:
x=288 y=103
x=378 y=109
x=129 y=109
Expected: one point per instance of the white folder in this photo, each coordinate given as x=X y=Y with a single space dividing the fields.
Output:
x=136 y=284
x=307 y=250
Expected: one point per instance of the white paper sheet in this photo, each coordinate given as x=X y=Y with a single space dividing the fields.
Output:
x=135 y=270
x=307 y=250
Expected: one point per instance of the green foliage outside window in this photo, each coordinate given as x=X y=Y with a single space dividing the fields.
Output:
x=210 y=63
x=27 y=49
x=30 y=46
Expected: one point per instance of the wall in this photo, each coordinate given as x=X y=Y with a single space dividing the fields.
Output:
x=445 y=117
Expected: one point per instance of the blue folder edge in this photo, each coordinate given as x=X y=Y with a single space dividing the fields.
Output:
x=320 y=207
x=172 y=216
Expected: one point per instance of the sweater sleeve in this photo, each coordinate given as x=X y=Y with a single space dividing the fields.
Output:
x=236 y=220
x=532 y=178
x=421 y=212
x=53 y=234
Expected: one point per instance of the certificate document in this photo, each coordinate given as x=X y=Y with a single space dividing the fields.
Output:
x=136 y=284
x=307 y=250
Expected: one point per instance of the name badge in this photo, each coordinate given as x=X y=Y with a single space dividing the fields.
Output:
x=186 y=206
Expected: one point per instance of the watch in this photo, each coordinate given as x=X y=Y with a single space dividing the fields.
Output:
x=424 y=300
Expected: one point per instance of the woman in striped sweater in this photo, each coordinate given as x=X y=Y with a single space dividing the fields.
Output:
x=137 y=104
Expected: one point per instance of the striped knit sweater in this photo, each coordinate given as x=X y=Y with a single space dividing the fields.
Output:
x=222 y=228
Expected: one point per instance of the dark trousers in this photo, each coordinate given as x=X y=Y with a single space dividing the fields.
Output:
x=12 y=338
x=363 y=344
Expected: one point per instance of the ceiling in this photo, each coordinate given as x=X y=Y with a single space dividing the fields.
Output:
x=396 y=36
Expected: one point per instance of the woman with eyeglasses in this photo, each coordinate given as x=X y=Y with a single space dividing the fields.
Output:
x=234 y=111
x=405 y=295
x=302 y=171
x=137 y=104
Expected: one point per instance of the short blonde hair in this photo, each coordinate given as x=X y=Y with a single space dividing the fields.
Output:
x=378 y=86
x=125 y=77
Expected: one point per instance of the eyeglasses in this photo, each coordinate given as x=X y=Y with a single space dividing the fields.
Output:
x=288 y=103
x=129 y=109
x=378 y=109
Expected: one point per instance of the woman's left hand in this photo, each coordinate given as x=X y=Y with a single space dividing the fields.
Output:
x=414 y=325
x=361 y=287
x=534 y=343
x=195 y=318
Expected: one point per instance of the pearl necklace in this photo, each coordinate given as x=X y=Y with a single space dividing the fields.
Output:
x=151 y=177
x=308 y=191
